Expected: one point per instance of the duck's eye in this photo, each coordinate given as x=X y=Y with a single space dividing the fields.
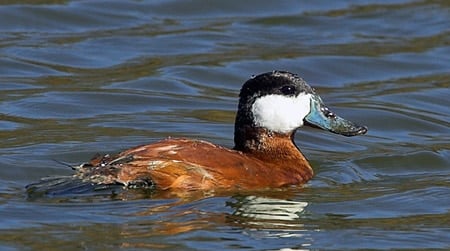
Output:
x=288 y=90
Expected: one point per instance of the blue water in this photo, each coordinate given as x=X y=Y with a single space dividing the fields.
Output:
x=84 y=77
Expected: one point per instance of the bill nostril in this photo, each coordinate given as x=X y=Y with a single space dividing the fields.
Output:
x=327 y=112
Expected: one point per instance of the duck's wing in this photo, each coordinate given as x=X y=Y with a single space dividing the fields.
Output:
x=185 y=165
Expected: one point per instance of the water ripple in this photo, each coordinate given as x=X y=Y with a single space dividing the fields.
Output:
x=81 y=77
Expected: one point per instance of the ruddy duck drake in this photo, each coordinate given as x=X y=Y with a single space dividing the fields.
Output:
x=272 y=106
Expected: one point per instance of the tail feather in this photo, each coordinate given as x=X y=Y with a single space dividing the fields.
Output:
x=67 y=186
x=98 y=177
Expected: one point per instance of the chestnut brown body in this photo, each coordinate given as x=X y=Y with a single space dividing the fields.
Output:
x=184 y=164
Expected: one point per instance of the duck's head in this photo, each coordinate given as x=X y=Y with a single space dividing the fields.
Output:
x=281 y=102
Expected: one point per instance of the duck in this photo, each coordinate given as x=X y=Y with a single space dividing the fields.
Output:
x=272 y=107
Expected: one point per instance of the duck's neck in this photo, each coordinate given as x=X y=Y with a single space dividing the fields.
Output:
x=266 y=144
x=275 y=149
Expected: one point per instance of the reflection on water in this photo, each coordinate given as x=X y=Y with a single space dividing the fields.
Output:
x=261 y=208
x=81 y=77
x=265 y=217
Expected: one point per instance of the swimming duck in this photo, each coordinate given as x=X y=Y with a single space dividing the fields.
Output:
x=272 y=106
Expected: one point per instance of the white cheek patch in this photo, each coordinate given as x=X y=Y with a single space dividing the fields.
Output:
x=280 y=113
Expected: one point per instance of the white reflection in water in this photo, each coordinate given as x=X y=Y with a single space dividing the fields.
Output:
x=265 y=217
x=263 y=208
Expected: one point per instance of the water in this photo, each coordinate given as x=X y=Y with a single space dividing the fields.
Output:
x=81 y=77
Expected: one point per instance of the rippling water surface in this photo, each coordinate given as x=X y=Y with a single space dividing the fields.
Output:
x=81 y=77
